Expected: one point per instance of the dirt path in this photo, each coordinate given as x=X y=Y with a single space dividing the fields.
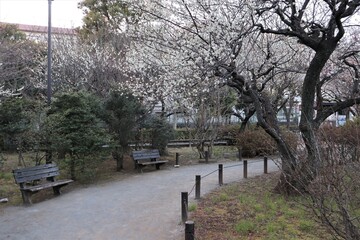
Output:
x=142 y=207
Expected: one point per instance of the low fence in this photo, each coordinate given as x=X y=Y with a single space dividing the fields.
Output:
x=190 y=225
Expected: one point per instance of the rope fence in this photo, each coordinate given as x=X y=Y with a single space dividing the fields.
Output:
x=245 y=162
x=189 y=225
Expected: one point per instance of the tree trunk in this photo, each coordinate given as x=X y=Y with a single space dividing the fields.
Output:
x=201 y=149
x=72 y=167
x=266 y=116
x=118 y=156
x=308 y=127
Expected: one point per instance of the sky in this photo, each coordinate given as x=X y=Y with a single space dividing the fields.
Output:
x=64 y=13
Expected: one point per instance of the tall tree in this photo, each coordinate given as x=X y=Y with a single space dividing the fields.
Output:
x=180 y=48
x=196 y=47
x=77 y=131
x=104 y=19
x=21 y=64
x=320 y=26
x=123 y=114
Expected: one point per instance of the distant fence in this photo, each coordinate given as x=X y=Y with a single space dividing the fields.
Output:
x=190 y=225
x=187 y=143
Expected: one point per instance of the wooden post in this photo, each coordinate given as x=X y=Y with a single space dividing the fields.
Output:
x=220 y=174
x=189 y=230
x=206 y=157
x=245 y=168
x=177 y=159
x=197 y=186
x=184 y=206
x=265 y=165
x=240 y=154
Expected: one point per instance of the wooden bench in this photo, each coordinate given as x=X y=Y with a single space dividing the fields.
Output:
x=34 y=179
x=147 y=157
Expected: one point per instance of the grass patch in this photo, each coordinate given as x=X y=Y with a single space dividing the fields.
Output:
x=192 y=207
x=244 y=227
x=249 y=210
x=306 y=225
x=222 y=197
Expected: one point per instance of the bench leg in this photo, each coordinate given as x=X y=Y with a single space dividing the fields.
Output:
x=26 y=196
x=157 y=166
x=56 y=190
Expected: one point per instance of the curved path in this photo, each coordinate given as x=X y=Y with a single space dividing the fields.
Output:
x=141 y=207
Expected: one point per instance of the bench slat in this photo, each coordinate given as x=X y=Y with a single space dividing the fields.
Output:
x=46 y=185
x=146 y=154
x=147 y=157
x=151 y=163
x=35 y=173
x=53 y=170
x=34 y=168
x=46 y=171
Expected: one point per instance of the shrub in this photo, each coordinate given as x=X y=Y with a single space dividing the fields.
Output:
x=344 y=140
x=123 y=114
x=184 y=133
x=229 y=133
x=254 y=142
x=160 y=133
x=2 y=161
x=16 y=116
x=77 y=133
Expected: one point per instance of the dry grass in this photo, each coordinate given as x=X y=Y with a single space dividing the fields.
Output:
x=249 y=210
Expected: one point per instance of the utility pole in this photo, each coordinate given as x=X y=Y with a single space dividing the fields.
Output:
x=48 y=154
x=49 y=80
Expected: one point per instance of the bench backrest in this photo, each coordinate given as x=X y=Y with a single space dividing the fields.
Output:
x=146 y=154
x=29 y=174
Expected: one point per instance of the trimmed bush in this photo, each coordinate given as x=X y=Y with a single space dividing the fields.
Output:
x=229 y=133
x=256 y=142
x=344 y=141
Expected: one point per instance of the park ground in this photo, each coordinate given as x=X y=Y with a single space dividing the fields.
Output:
x=247 y=209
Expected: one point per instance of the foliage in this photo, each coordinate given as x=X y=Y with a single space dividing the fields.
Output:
x=88 y=67
x=344 y=141
x=21 y=64
x=254 y=142
x=2 y=161
x=258 y=48
x=123 y=114
x=16 y=122
x=76 y=131
x=184 y=133
x=9 y=32
x=103 y=16
x=13 y=116
x=229 y=133
x=160 y=133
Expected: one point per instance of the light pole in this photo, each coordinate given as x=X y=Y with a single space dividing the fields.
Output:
x=48 y=154
x=49 y=80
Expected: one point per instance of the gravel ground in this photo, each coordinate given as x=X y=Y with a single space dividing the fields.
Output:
x=141 y=207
